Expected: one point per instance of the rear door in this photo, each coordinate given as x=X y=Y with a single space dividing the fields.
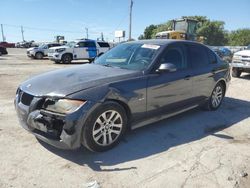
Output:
x=203 y=65
x=168 y=92
x=103 y=47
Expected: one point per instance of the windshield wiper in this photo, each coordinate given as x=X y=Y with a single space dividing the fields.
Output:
x=107 y=65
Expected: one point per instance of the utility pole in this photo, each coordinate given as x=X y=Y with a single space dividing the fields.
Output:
x=130 y=19
x=22 y=33
x=2 y=33
x=102 y=38
x=87 y=32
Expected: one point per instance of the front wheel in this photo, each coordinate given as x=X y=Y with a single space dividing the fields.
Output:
x=39 y=55
x=216 y=97
x=67 y=58
x=105 y=127
x=236 y=73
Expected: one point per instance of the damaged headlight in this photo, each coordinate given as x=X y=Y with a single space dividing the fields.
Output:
x=64 y=106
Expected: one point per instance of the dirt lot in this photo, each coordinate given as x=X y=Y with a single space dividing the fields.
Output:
x=195 y=149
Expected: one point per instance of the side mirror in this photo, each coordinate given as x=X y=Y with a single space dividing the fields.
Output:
x=77 y=46
x=167 y=67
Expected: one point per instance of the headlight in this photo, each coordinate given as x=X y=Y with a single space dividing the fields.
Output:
x=64 y=106
x=60 y=50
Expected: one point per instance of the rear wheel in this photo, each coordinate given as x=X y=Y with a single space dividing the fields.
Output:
x=105 y=127
x=57 y=62
x=39 y=55
x=236 y=72
x=216 y=97
x=67 y=58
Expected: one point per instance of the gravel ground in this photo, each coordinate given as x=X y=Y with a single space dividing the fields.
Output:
x=194 y=149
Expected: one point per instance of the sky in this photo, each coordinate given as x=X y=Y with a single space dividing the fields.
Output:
x=44 y=19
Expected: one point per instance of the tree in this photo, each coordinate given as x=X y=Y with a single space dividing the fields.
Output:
x=148 y=31
x=214 y=33
x=240 y=37
x=162 y=27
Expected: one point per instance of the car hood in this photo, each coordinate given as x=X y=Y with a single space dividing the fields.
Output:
x=67 y=81
x=33 y=48
x=244 y=53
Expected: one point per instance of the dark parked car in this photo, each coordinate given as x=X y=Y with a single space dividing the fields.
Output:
x=7 y=44
x=133 y=84
x=224 y=53
x=3 y=50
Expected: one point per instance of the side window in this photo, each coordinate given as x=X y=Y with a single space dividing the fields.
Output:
x=176 y=56
x=211 y=56
x=54 y=45
x=81 y=44
x=86 y=44
x=198 y=56
x=103 y=44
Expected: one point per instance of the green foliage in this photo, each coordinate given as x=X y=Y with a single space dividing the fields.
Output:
x=240 y=37
x=214 y=33
x=148 y=32
x=162 y=27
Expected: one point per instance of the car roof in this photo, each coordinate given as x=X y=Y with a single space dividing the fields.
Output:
x=163 y=42
x=84 y=40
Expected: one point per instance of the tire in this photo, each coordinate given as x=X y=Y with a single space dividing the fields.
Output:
x=236 y=72
x=66 y=58
x=39 y=55
x=90 y=60
x=99 y=135
x=57 y=62
x=216 y=97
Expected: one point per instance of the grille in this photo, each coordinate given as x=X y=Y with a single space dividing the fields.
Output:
x=244 y=56
x=25 y=98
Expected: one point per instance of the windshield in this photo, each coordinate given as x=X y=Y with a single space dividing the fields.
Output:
x=132 y=56
x=181 y=26
x=43 y=46
x=248 y=48
x=71 y=44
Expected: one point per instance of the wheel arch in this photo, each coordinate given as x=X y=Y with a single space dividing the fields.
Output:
x=39 y=52
x=124 y=105
x=223 y=82
x=67 y=53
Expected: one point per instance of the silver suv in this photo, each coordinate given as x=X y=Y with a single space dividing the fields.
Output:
x=40 y=51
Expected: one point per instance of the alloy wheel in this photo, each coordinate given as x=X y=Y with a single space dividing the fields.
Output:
x=217 y=96
x=107 y=128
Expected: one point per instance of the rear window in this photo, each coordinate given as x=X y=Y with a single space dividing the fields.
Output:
x=103 y=44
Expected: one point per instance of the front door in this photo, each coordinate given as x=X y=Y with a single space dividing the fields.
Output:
x=80 y=51
x=168 y=92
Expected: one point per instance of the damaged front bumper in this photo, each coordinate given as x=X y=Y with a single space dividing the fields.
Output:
x=60 y=130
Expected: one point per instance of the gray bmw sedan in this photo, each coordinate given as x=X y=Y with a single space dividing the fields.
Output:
x=131 y=85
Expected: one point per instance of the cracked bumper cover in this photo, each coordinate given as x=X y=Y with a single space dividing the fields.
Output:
x=60 y=130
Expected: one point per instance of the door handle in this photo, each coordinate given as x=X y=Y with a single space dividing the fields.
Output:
x=187 y=77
